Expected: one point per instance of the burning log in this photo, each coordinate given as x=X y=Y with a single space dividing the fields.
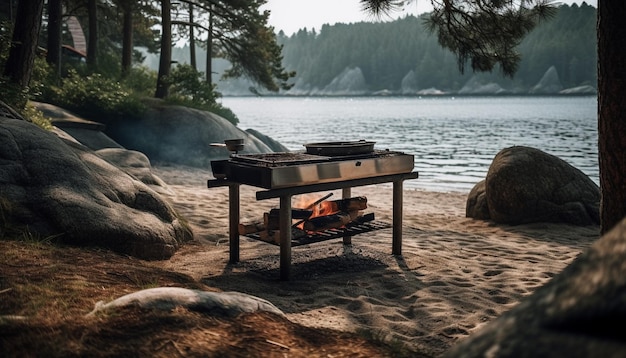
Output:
x=321 y=215
x=295 y=213
x=350 y=204
x=271 y=220
x=345 y=205
x=331 y=221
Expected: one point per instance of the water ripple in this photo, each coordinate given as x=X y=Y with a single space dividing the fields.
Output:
x=454 y=140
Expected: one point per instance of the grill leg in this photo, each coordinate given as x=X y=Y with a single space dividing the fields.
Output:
x=233 y=223
x=396 y=248
x=345 y=194
x=285 y=237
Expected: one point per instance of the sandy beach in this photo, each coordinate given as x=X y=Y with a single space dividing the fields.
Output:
x=455 y=274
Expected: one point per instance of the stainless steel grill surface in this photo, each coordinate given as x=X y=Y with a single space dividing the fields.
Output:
x=289 y=169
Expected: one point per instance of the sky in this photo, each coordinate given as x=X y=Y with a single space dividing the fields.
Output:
x=293 y=15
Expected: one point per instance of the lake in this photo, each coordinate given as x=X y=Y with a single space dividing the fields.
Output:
x=453 y=139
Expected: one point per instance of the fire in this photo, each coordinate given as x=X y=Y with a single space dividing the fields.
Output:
x=327 y=214
x=324 y=208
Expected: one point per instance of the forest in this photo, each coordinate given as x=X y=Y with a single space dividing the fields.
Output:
x=403 y=57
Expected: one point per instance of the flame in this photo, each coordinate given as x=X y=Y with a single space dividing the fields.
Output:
x=324 y=208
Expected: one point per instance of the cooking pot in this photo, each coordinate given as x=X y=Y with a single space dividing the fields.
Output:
x=340 y=148
x=233 y=145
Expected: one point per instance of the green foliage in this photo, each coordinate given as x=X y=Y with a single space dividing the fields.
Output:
x=12 y=94
x=97 y=97
x=36 y=116
x=141 y=81
x=187 y=88
x=387 y=51
x=187 y=83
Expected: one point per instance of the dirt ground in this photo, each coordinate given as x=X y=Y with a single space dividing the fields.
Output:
x=46 y=291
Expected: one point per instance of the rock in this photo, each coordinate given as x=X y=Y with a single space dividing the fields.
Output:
x=526 y=185
x=476 y=86
x=577 y=314
x=476 y=206
x=548 y=84
x=60 y=189
x=580 y=90
x=349 y=82
x=409 y=83
x=134 y=163
x=271 y=143
x=181 y=135
x=228 y=304
x=431 y=92
x=86 y=132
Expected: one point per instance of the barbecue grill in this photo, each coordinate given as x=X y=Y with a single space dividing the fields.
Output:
x=322 y=167
x=282 y=170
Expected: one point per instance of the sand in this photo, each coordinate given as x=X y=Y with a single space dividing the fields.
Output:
x=455 y=274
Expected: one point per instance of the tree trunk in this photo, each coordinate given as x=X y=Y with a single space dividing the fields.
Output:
x=53 y=57
x=127 y=39
x=209 y=51
x=612 y=111
x=165 y=59
x=192 y=40
x=92 y=43
x=19 y=65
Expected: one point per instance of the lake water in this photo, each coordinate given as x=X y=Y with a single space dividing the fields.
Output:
x=453 y=139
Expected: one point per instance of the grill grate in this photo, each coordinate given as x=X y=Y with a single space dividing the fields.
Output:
x=350 y=229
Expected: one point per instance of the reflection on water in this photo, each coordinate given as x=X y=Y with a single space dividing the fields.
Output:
x=454 y=140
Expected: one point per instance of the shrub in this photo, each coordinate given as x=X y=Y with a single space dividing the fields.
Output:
x=97 y=97
x=187 y=88
x=141 y=80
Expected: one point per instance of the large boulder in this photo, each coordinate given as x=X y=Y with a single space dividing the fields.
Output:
x=89 y=133
x=273 y=144
x=134 y=163
x=60 y=189
x=577 y=314
x=525 y=185
x=181 y=135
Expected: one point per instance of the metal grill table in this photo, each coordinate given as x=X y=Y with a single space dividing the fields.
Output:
x=285 y=195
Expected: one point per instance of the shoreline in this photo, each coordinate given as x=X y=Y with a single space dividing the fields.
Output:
x=455 y=274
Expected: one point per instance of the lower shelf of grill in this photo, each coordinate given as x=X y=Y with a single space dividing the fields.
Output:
x=351 y=229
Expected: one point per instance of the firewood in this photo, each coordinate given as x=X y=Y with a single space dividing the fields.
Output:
x=346 y=205
x=326 y=222
x=295 y=213
x=364 y=218
x=351 y=204
x=250 y=228
x=271 y=220
x=295 y=234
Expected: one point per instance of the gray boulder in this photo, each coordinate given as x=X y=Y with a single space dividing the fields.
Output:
x=273 y=144
x=525 y=185
x=60 y=189
x=132 y=162
x=549 y=83
x=181 y=135
x=476 y=85
x=89 y=133
x=350 y=81
x=228 y=304
x=577 y=314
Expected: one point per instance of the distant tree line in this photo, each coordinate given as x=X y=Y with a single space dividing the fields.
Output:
x=387 y=51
